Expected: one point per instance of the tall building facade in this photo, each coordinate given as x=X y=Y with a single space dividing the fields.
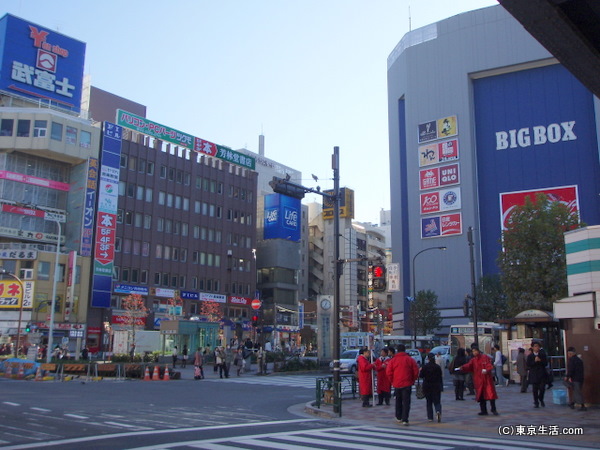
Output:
x=480 y=117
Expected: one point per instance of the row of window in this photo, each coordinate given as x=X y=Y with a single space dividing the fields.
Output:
x=58 y=131
x=177 y=281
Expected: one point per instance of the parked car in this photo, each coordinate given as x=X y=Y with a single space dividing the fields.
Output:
x=444 y=350
x=348 y=362
x=416 y=355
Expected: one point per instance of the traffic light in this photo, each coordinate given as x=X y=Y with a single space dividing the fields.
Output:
x=379 y=284
x=285 y=187
x=255 y=320
x=27 y=328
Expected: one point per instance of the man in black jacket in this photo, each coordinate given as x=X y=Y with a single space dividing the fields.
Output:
x=536 y=364
x=575 y=378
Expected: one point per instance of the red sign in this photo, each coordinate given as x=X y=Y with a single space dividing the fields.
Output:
x=451 y=224
x=439 y=176
x=567 y=195
x=430 y=202
x=256 y=304
x=124 y=320
x=239 y=300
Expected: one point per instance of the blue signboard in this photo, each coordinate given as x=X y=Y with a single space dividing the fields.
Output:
x=189 y=295
x=130 y=289
x=40 y=63
x=535 y=130
x=282 y=217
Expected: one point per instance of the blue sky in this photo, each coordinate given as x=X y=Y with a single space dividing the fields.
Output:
x=308 y=74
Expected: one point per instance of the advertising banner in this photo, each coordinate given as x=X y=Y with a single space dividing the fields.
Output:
x=439 y=152
x=106 y=219
x=36 y=181
x=567 y=195
x=437 y=129
x=436 y=177
x=167 y=134
x=207 y=297
x=41 y=64
x=439 y=201
x=89 y=211
x=439 y=226
x=130 y=289
x=282 y=217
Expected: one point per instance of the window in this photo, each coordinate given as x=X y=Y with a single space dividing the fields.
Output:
x=147 y=221
x=183 y=255
x=43 y=270
x=167 y=252
x=176 y=227
x=187 y=179
x=116 y=273
x=163 y=171
x=197 y=207
x=178 y=202
x=118 y=244
x=23 y=127
x=130 y=190
x=184 y=229
x=186 y=204
x=174 y=281
x=122 y=188
x=168 y=226
x=165 y=279
x=135 y=275
x=144 y=276
x=195 y=257
x=139 y=193
x=158 y=252
x=125 y=274
x=119 y=216
x=179 y=176
x=150 y=168
x=126 y=245
x=132 y=163
x=217 y=260
x=161 y=197
x=71 y=136
x=157 y=278
x=170 y=200
x=219 y=212
x=139 y=219
x=194 y=282
x=171 y=173
x=128 y=218
x=211 y=211
x=196 y=232
x=182 y=280
x=218 y=234
x=56 y=131
x=175 y=254
x=149 y=193
x=142 y=166
x=40 y=128
x=145 y=248
x=160 y=224
x=6 y=127
x=85 y=139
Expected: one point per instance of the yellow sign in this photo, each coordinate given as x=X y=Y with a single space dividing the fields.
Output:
x=346 y=204
x=11 y=294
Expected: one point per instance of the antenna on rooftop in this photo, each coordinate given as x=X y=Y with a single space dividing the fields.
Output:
x=409 y=19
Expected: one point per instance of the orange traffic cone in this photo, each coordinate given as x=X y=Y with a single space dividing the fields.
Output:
x=147 y=374
x=155 y=375
x=38 y=374
x=7 y=369
x=21 y=373
x=166 y=376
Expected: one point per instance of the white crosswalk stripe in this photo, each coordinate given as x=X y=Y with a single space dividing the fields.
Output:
x=302 y=381
x=357 y=437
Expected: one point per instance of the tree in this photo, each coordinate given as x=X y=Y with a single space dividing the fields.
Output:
x=491 y=300
x=212 y=311
x=533 y=263
x=428 y=318
x=135 y=312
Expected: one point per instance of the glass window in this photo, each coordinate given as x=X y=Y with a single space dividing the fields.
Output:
x=6 y=127
x=183 y=255
x=122 y=188
x=125 y=274
x=23 y=128
x=144 y=276
x=157 y=278
x=71 y=135
x=56 y=131
x=43 y=270
x=149 y=193
x=184 y=229
x=120 y=216
x=118 y=244
x=187 y=179
x=40 y=128
x=139 y=194
x=150 y=168
x=170 y=200
x=137 y=245
x=123 y=162
x=179 y=176
x=160 y=224
x=178 y=202
x=132 y=163
x=128 y=218
x=168 y=226
x=163 y=171
x=171 y=173
x=135 y=275
x=126 y=245
x=167 y=252
x=145 y=248
x=196 y=231
x=85 y=139
x=186 y=204
x=130 y=190
x=161 y=197
x=175 y=254
x=158 y=253
x=139 y=219
x=147 y=221
x=142 y=166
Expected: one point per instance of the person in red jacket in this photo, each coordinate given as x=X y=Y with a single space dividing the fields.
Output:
x=481 y=367
x=384 y=387
x=365 y=376
x=402 y=371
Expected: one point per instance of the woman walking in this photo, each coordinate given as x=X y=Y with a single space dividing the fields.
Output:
x=432 y=387
x=459 y=378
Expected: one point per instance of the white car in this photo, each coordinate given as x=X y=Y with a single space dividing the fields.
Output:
x=348 y=362
x=444 y=350
x=416 y=355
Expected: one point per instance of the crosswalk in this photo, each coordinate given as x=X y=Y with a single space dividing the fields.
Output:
x=358 y=437
x=301 y=381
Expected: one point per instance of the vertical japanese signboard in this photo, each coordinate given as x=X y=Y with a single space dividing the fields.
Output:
x=106 y=217
x=89 y=208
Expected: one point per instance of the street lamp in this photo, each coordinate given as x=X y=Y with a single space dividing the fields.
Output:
x=10 y=274
x=414 y=286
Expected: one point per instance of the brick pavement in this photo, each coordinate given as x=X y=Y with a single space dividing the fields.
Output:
x=514 y=409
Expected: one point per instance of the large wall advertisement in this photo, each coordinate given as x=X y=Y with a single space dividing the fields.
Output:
x=40 y=63
x=535 y=132
x=282 y=217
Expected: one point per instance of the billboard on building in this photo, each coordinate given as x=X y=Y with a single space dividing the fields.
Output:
x=41 y=64
x=106 y=217
x=536 y=129
x=346 y=204
x=282 y=217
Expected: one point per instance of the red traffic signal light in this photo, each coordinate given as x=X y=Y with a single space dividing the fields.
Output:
x=254 y=320
x=378 y=271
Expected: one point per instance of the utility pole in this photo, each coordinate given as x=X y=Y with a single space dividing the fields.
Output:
x=473 y=288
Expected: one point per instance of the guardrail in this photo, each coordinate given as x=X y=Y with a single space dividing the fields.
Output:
x=326 y=391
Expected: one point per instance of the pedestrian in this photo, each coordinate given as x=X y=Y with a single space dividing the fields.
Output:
x=469 y=376
x=499 y=360
x=536 y=364
x=365 y=376
x=439 y=360
x=458 y=378
x=198 y=363
x=220 y=361
x=574 y=379
x=521 y=364
x=260 y=359
x=184 y=356
x=239 y=361
x=229 y=354
x=384 y=387
x=85 y=353
x=402 y=370
x=481 y=367
x=174 y=354
x=432 y=382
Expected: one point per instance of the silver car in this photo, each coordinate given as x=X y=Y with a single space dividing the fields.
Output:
x=416 y=355
x=444 y=350
x=348 y=362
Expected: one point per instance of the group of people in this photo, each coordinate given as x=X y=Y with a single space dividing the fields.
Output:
x=471 y=369
x=234 y=354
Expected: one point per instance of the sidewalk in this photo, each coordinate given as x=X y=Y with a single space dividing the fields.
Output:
x=514 y=409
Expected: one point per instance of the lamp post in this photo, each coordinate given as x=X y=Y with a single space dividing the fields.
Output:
x=22 y=294
x=54 y=287
x=414 y=286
